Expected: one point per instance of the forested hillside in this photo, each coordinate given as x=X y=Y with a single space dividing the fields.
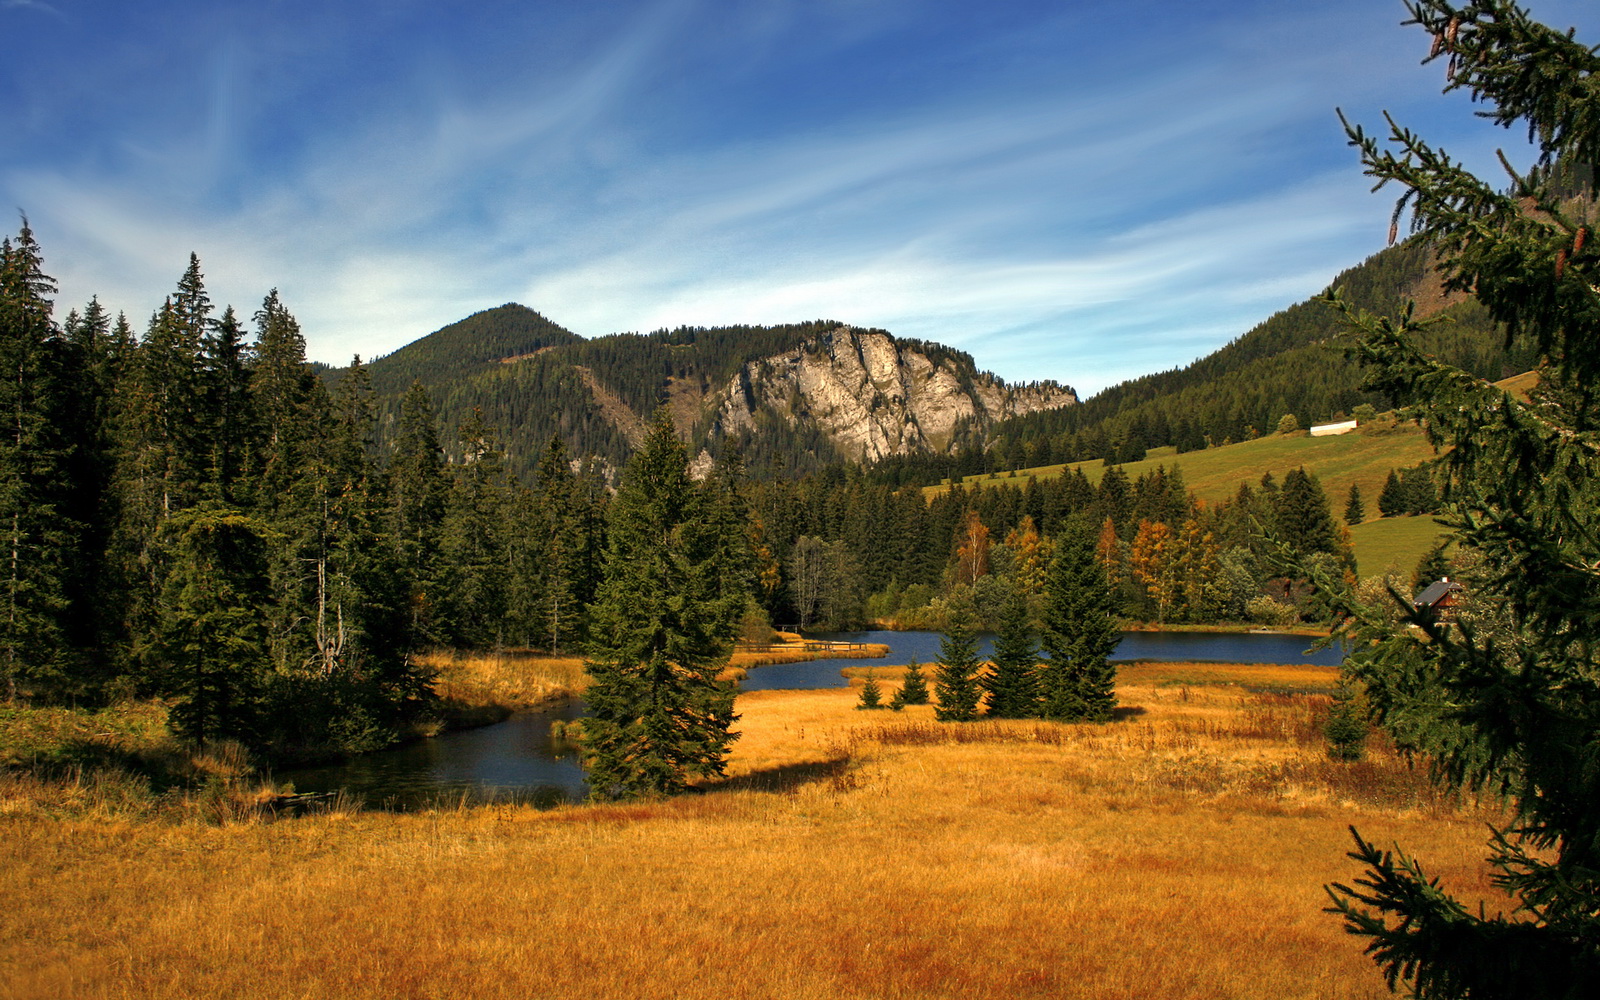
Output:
x=1292 y=363
x=531 y=379
x=466 y=347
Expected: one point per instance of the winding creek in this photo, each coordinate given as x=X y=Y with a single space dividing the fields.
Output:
x=516 y=761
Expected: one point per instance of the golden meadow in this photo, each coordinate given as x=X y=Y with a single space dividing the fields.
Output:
x=1177 y=852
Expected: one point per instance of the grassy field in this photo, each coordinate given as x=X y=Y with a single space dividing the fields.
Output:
x=1179 y=852
x=1363 y=457
x=1394 y=543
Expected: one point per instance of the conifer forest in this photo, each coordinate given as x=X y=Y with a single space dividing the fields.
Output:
x=223 y=562
x=196 y=513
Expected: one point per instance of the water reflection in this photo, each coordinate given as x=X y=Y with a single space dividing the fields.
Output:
x=1225 y=647
x=510 y=761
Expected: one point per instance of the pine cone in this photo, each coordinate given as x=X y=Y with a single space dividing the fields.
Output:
x=1438 y=44
x=1450 y=31
x=1561 y=263
x=1394 y=230
x=1578 y=238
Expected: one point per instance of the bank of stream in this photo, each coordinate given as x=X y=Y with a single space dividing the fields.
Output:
x=518 y=761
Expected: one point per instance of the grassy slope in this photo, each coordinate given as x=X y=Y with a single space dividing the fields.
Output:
x=1180 y=853
x=1394 y=543
x=1363 y=458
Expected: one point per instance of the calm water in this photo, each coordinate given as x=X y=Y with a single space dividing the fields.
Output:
x=1248 y=647
x=515 y=760
x=510 y=761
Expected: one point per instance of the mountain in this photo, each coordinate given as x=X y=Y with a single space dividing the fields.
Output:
x=874 y=396
x=467 y=347
x=791 y=397
x=1294 y=362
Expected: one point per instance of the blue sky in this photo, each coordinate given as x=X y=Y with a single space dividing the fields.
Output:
x=1069 y=190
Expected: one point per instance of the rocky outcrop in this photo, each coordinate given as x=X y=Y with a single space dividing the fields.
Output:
x=875 y=396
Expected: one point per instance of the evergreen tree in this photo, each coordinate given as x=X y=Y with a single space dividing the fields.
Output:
x=211 y=646
x=1303 y=518
x=417 y=495
x=914 y=688
x=955 y=681
x=1354 y=511
x=1012 y=683
x=231 y=426
x=474 y=542
x=1507 y=702
x=1392 y=500
x=34 y=539
x=1078 y=684
x=661 y=631
x=871 y=693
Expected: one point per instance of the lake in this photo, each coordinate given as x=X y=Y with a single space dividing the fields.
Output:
x=1223 y=647
x=516 y=761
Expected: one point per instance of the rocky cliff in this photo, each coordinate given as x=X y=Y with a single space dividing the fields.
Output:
x=873 y=395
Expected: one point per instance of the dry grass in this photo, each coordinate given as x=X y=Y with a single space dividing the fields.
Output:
x=504 y=680
x=472 y=684
x=1180 y=852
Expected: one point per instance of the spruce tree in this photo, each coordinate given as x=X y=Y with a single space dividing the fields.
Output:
x=211 y=645
x=1354 y=510
x=474 y=542
x=1078 y=683
x=955 y=682
x=871 y=693
x=1392 y=499
x=417 y=495
x=914 y=688
x=35 y=539
x=1508 y=701
x=1013 y=683
x=661 y=630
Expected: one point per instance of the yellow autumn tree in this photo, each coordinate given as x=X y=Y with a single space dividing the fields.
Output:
x=1152 y=561
x=972 y=550
x=1032 y=553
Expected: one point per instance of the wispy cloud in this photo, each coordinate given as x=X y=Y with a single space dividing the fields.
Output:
x=34 y=5
x=1119 y=207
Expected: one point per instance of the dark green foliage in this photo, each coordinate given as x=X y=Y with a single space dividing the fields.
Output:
x=1346 y=727
x=1013 y=684
x=1409 y=491
x=660 y=632
x=914 y=689
x=955 y=681
x=36 y=541
x=1507 y=702
x=418 y=492
x=1080 y=633
x=475 y=344
x=474 y=581
x=211 y=646
x=1354 y=510
x=1434 y=565
x=1304 y=521
x=871 y=693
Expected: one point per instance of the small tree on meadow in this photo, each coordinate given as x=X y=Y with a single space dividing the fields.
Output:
x=1354 y=510
x=956 y=680
x=1078 y=684
x=914 y=690
x=1012 y=683
x=871 y=693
